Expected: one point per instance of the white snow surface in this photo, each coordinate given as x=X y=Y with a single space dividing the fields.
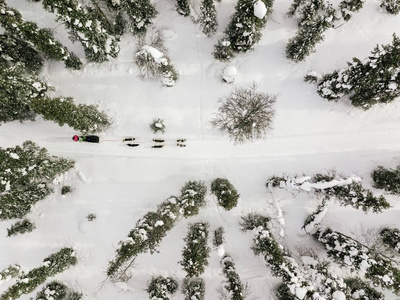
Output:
x=120 y=184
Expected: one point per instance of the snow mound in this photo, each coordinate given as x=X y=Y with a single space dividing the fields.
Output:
x=260 y=10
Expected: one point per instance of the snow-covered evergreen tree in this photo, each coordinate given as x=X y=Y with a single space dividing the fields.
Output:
x=358 y=289
x=98 y=44
x=374 y=80
x=348 y=7
x=307 y=10
x=226 y=193
x=387 y=179
x=223 y=50
x=391 y=238
x=82 y=117
x=55 y=290
x=208 y=17
x=160 y=287
x=26 y=174
x=233 y=285
x=41 y=39
x=17 y=90
x=193 y=288
x=21 y=227
x=55 y=263
x=391 y=6
x=16 y=51
x=244 y=28
x=182 y=6
x=141 y=14
x=196 y=252
x=192 y=198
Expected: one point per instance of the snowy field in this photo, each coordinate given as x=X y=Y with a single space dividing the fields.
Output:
x=120 y=184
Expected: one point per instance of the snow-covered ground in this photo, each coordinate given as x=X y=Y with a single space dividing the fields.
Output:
x=120 y=184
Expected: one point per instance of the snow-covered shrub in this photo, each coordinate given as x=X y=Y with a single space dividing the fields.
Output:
x=233 y=285
x=226 y=193
x=309 y=34
x=25 y=176
x=313 y=220
x=91 y=217
x=196 y=252
x=352 y=254
x=391 y=238
x=307 y=10
x=358 y=289
x=369 y=82
x=229 y=73
x=85 y=28
x=153 y=61
x=21 y=227
x=57 y=291
x=193 y=288
x=52 y=265
x=17 y=90
x=66 y=189
x=14 y=50
x=283 y=293
x=245 y=27
x=391 y=6
x=223 y=50
x=352 y=194
x=218 y=238
x=157 y=126
x=141 y=14
x=10 y=272
x=62 y=110
x=41 y=39
x=387 y=179
x=245 y=114
x=348 y=7
x=183 y=7
x=208 y=17
x=159 y=287
x=192 y=198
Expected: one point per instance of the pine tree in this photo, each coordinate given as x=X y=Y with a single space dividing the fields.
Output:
x=391 y=6
x=26 y=174
x=42 y=39
x=182 y=6
x=225 y=192
x=244 y=28
x=223 y=50
x=57 y=290
x=387 y=179
x=17 y=90
x=159 y=287
x=374 y=80
x=208 y=18
x=348 y=7
x=309 y=11
x=83 y=118
x=193 y=288
x=98 y=44
x=14 y=50
x=141 y=14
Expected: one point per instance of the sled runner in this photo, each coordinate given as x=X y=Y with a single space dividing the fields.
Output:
x=86 y=138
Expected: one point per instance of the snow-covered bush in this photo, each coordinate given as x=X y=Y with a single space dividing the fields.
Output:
x=196 y=252
x=391 y=238
x=21 y=227
x=223 y=50
x=153 y=61
x=52 y=265
x=91 y=217
x=146 y=236
x=352 y=254
x=25 y=176
x=17 y=90
x=369 y=82
x=85 y=28
x=229 y=73
x=245 y=114
x=283 y=293
x=66 y=189
x=307 y=10
x=41 y=39
x=14 y=50
x=62 y=110
x=387 y=179
x=226 y=193
x=141 y=14
x=233 y=285
x=245 y=27
x=193 y=288
x=10 y=272
x=183 y=7
x=314 y=219
x=218 y=238
x=57 y=291
x=358 y=289
x=208 y=17
x=159 y=287
x=348 y=7
x=391 y=6
x=309 y=34
x=157 y=126
x=192 y=198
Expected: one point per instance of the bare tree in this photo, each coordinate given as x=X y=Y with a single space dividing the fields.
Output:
x=246 y=114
